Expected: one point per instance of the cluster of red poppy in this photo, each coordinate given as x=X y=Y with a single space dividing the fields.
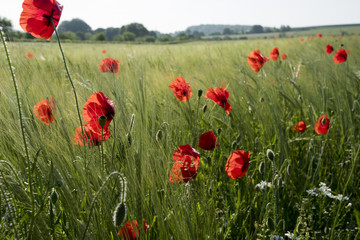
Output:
x=339 y=57
x=322 y=125
x=91 y=132
x=256 y=60
x=183 y=92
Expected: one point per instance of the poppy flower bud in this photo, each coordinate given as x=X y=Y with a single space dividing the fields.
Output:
x=238 y=138
x=159 y=135
x=128 y=136
x=119 y=215
x=262 y=167
x=219 y=131
x=53 y=196
x=289 y=169
x=102 y=121
x=200 y=92
x=261 y=99
x=204 y=108
x=270 y=154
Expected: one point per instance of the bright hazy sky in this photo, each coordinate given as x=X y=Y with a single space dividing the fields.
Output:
x=169 y=16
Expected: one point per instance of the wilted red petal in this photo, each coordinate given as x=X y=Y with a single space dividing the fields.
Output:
x=329 y=49
x=274 y=54
x=181 y=88
x=256 y=60
x=35 y=17
x=187 y=161
x=220 y=96
x=130 y=230
x=300 y=126
x=109 y=65
x=98 y=105
x=45 y=111
x=322 y=124
x=207 y=141
x=237 y=164
x=91 y=137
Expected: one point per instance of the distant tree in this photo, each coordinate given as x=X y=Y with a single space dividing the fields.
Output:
x=149 y=39
x=99 y=37
x=99 y=30
x=75 y=25
x=257 y=29
x=284 y=28
x=198 y=34
x=111 y=33
x=68 y=36
x=228 y=31
x=128 y=36
x=6 y=25
x=153 y=33
x=165 y=38
x=215 y=33
x=29 y=36
x=138 y=29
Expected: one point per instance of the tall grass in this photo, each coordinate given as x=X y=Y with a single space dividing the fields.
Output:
x=266 y=107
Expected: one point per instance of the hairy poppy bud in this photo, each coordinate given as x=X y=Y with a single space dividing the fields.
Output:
x=270 y=154
x=238 y=138
x=233 y=145
x=159 y=135
x=200 y=92
x=219 y=131
x=102 y=121
x=119 y=215
x=262 y=167
x=204 y=108
x=53 y=196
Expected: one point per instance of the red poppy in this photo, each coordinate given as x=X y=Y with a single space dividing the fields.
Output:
x=275 y=38
x=220 y=96
x=256 y=60
x=348 y=51
x=283 y=56
x=109 y=65
x=302 y=39
x=103 y=51
x=90 y=137
x=207 y=141
x=45 y=111
x=35 y=17
x=329 y=49
x=237 y=164
x=182 y=89
x=130 y=230
x=29 y=55
x=300 y=126
x=340 y=56
x=187 y=161
x=311 y=37
x=322 y=124
x=340 y=37
x=98 y=105
x=319 y=35
x=274 y=54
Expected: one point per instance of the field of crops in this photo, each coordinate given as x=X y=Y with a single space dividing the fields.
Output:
x=300 y=184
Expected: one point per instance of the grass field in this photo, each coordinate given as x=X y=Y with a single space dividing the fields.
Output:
x=265 y=108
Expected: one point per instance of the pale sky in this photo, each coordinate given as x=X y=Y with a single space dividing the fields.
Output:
x=168 y=16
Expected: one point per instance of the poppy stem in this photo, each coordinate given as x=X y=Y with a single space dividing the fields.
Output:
x=102 y=150
x=22 y=126
x=71 y=82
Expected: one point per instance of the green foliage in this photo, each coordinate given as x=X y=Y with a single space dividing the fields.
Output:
x=150 y=124
x=99 y=37
x=74 y=25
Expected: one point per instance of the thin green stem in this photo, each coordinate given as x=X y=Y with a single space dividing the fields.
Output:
x=71 y=82
x=22 y=126
x=102 y=150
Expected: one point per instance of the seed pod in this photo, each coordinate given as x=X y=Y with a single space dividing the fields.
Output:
x=204 y=108
x=270 y=154
x=200 y=92
x=262 y=167
x=119 y=215
x=289 y=169
x=102 y=121
x=238 y=138
x=159 y=135
x=53 y=196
